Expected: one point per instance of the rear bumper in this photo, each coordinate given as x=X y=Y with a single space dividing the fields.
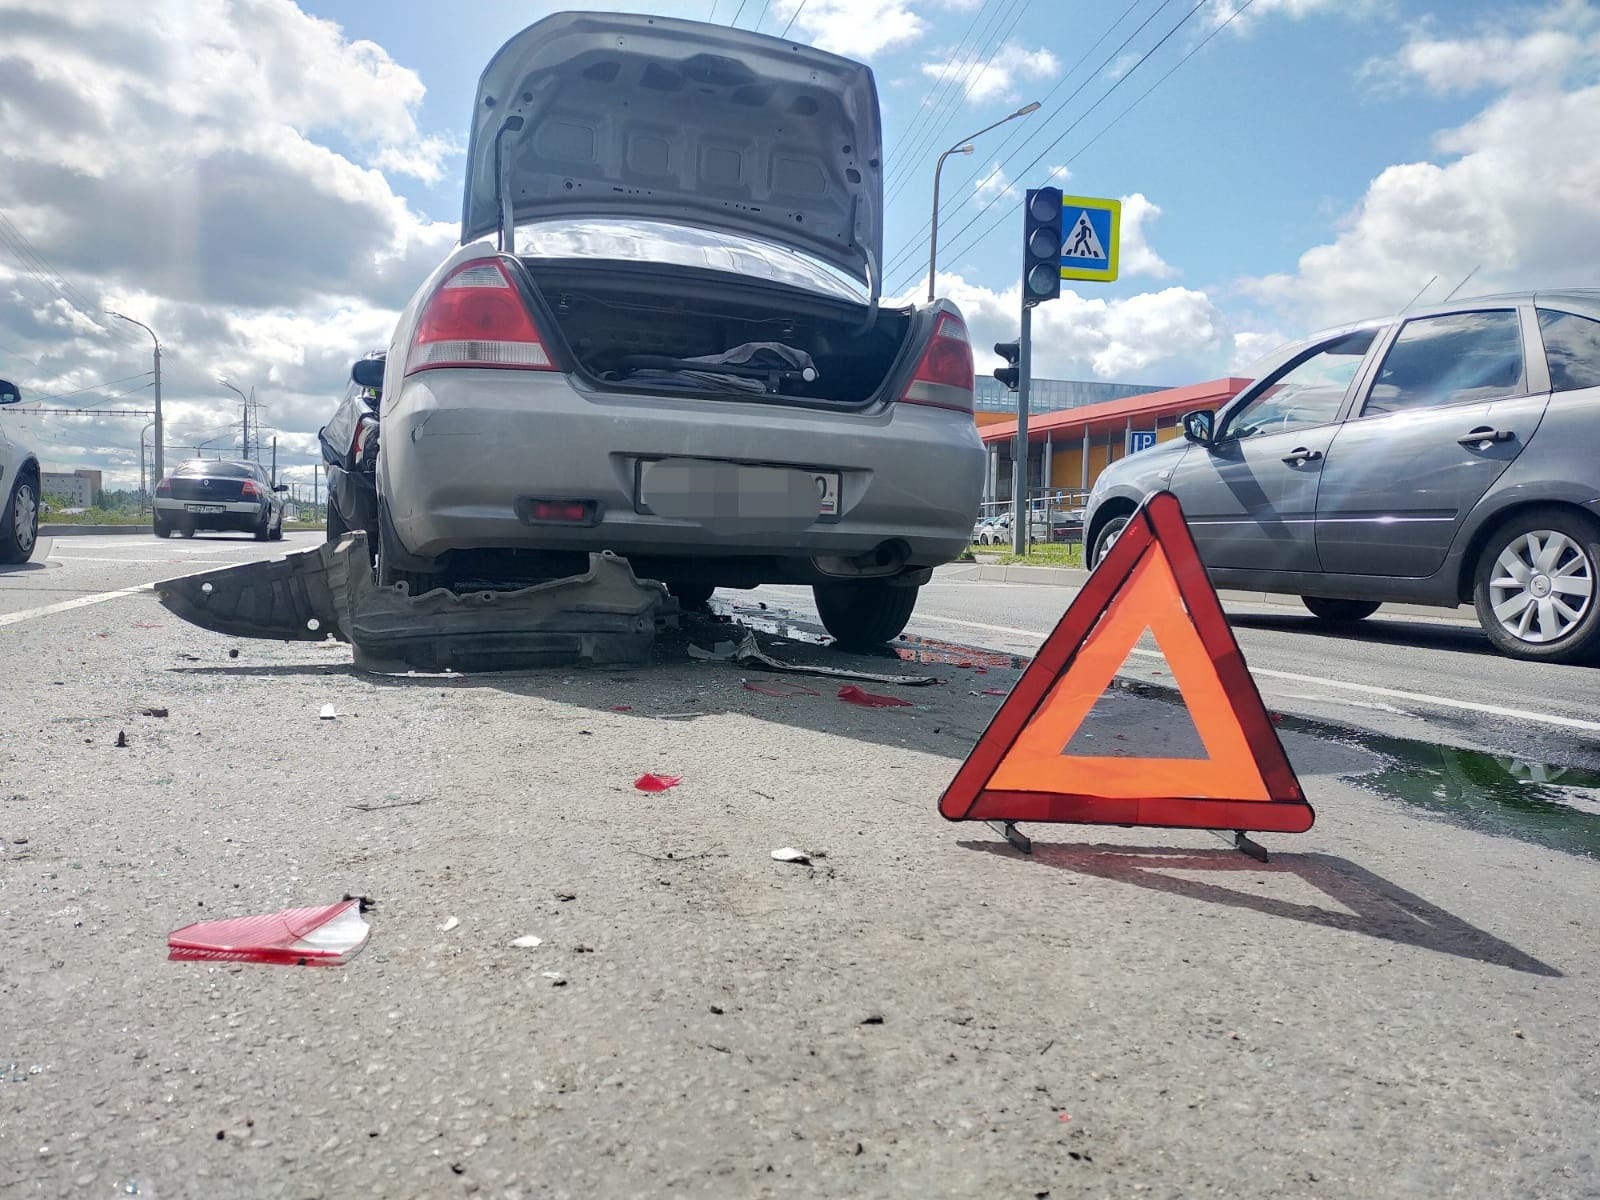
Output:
x=462 y=448
x=241 y=515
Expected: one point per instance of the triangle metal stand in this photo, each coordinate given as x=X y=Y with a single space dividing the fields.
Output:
x=1243 y=844
x=1009 y=831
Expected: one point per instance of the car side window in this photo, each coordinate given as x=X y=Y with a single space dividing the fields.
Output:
x=1453 y=359
x=1572 y=348
x=1307 y=393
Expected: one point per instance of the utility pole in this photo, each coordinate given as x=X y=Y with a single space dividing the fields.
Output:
x=244 y=404
x=316 y=489
x=160 y=451
x=1019 y=457
x=274 y=461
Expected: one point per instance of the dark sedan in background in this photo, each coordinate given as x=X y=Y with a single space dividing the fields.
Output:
x=221 y=495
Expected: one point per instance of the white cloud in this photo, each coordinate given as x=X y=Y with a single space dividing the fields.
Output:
x=1544 y=48
x=200 y=166
x=1251 y=346
x=994 y=184
x=1135 y=255
x=857 y=28
x=995 y=79
x=1515 y=193
x=1176 y=335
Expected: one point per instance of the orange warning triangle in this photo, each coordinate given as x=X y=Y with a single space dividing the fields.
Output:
x=1152 y=581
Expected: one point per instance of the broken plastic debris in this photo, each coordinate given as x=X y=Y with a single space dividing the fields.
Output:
x=782 y=691
x=995 y=692
x=657 y=783
x=528 y=943
x=790 y=855
x=326 y=936
x=552 y=975
x=152 y=712
x=851 y=694
x=622 y=708
x=122 y=739
x=450 y=923
x=328 y=713
x=748 y=653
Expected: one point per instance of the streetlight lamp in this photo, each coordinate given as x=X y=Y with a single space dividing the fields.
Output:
x=964 y=146
x=160 y=443
x=245 y=443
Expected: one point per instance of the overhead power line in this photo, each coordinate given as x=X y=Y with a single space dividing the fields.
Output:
x=892 y=168
x=913 y=246
x=793 y=17
x=1104 y=96
x=93 y=387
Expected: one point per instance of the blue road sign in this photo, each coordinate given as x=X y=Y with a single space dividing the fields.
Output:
x=1091 y=229
x=1141 y=439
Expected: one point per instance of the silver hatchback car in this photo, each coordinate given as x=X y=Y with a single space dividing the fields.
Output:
x=1448 y=456
x=662 y=336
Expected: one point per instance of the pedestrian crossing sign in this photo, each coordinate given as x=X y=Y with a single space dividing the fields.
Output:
x=1091 y=229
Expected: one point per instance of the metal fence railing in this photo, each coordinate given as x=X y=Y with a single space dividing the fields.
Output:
x=1055 y=515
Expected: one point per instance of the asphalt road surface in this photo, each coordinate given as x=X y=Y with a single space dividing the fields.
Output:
x=1404 y=1002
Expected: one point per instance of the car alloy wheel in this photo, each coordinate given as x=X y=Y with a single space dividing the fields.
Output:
x=1107 y=538
x=1542 y=586
x=24 y=519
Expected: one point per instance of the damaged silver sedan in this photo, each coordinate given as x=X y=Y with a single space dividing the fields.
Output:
x=662 y=338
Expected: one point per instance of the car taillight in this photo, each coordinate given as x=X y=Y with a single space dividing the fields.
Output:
x=364 y=446
x=249 y=491
x=164 y=488
x=944 y=376
x=477 y=318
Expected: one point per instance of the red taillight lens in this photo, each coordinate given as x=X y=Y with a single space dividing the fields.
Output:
x=364 y=445
x=560 y=512
x=249 y=491
x=477 y=319
x=944 y=376
x=164 y=488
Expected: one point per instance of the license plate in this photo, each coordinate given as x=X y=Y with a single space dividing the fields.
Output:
x=205 y=508
x=716 y=493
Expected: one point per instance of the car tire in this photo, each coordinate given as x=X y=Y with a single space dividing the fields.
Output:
x=277 y=530
x=418 y=583
x=19 y=524
x=186 y=531
x=692 y=596
x=162 y=529
x=336 y=526
x=864 y=614
x=1107 y=537
x=263 y=529
x=1533 y=558
x=1327 y=608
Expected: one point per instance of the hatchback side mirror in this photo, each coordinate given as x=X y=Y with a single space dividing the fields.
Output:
x=1200 y=427
x=282 y=487
x=368 y=372
x=10 y=393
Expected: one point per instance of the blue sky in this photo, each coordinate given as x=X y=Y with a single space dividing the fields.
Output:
x=266 y=182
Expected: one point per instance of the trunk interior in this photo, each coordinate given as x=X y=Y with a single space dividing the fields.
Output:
x=630 y=326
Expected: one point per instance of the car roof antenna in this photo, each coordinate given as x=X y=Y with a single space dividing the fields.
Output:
x=504 y=206
x=1461 y=285
x=1418 y=296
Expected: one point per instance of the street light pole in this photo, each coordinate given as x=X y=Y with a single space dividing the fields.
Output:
x=143 y=489
x=160 y=455
x=964 y=146
x=245 y=401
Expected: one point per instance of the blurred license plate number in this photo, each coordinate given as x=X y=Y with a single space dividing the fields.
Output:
x=701 y=490
x=205 y=508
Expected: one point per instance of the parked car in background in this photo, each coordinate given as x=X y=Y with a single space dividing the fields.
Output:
x=1449 y=456
x=676 y=348
x=217 y=494
x=349 y=444
x=19 y=485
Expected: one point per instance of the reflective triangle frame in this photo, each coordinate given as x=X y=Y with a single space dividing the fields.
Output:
x=1152 y=578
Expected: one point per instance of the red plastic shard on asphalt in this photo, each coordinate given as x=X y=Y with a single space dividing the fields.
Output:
x=657 y=783
x=780 y=690
x=851 y=694
x=622 y=708
x=325 y=936
x=995 y=692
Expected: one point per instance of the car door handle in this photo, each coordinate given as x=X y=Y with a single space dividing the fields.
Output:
x=1300 y=455
x=1484 y=434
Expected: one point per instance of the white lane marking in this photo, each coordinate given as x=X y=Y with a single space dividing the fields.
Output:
x=1494 y=710
x=219 y=562
x=69 y=605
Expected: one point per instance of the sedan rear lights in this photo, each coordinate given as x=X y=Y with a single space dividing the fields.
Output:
x=164 y=488
x=476 y=318
x=558 y=512
x=944 y=376
x=249 y=491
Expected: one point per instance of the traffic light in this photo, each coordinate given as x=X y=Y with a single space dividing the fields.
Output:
x=1011 y=373
x=1041 y=245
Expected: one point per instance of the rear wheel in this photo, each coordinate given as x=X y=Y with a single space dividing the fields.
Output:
x=692 y=596
x=186 y=530
x=263 y=529
x=1329 y=609
x=864 y=613
x=159 y=527
x=1536 y=587
x=417 y=582
x=19 y=524
x=336 y=526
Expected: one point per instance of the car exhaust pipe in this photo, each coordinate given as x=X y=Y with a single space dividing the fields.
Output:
x=887 y=558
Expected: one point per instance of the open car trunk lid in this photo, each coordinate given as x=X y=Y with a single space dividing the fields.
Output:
x=624 y=116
